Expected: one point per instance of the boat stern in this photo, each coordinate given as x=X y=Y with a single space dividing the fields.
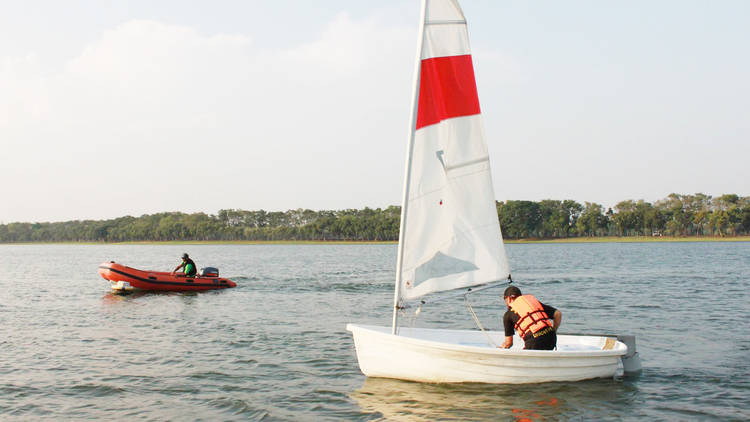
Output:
x=631 y=361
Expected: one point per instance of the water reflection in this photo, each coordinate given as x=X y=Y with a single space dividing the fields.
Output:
x=403 y=400
x=111 y=297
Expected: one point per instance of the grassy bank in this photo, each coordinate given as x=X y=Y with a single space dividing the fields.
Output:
x=217 y=242
x=636 y=239
x=259 y=242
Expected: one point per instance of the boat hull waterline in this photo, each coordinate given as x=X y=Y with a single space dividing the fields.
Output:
x=453 y=356
x=124 y=279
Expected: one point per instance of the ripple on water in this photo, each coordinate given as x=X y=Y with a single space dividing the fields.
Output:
x=275 y=348
x=92 y=389
x=238 y=408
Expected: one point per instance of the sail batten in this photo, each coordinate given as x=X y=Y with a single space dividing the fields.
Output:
x=447 y=22
x=450 y=235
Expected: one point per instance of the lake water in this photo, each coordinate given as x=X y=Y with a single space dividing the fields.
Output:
x=276 y=348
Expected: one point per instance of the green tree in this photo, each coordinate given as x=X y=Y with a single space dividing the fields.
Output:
x=558 y=217
x=677 y=217
x=593 y=221
x=520 y=219
x=626 y=218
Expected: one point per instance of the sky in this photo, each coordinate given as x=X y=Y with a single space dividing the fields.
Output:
x=114 y=108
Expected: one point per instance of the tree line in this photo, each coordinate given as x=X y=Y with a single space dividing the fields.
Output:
x=676 y=215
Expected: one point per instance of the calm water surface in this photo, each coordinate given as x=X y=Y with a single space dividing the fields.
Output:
x=275 y=347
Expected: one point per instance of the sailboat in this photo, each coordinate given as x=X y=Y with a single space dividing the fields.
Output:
x=450 y=237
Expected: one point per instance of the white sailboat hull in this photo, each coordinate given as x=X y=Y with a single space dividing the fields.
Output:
x=451 y=356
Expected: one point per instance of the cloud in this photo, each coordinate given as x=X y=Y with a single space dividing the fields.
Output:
x=23 y=95
x=150 y=111
x=149 y=74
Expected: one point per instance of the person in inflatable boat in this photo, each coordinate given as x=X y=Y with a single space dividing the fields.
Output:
x=531 y=319
x=188 y=266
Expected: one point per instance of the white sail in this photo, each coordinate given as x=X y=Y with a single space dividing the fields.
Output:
x=450 y=236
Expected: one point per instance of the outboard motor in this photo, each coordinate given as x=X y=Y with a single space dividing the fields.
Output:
x=209 y=272
x=631 y=362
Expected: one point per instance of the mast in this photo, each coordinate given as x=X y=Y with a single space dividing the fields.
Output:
x=407 y=171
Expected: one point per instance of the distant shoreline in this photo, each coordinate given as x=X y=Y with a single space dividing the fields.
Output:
x=682 y=218
x=635 y=239
x=604 y=239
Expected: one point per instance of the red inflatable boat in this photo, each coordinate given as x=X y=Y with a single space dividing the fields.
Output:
x=124 y=279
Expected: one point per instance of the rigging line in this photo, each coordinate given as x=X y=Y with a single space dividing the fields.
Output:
x=476 y=320
x=497 y=283
x=410 y=318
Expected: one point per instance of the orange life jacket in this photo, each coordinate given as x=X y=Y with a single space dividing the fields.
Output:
x=531 y=315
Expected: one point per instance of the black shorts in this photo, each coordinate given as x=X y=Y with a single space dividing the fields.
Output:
x=546 y=341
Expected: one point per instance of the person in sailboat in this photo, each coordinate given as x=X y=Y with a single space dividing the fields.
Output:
x=531 y=319
x=187 y=265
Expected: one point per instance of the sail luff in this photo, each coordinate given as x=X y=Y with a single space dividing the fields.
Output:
x=407 y=170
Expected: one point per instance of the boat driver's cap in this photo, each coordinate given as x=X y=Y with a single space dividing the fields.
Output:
x=185 y=256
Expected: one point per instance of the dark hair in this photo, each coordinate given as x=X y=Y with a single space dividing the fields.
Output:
x=185 y=256
x=512 y=291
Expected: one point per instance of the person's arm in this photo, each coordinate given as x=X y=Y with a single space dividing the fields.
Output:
x=508 y=326
x=508 y=343
x=556 y=319
x=554 y=314
x=178 y=267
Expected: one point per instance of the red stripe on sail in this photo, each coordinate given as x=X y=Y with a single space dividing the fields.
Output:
x=446 y=89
